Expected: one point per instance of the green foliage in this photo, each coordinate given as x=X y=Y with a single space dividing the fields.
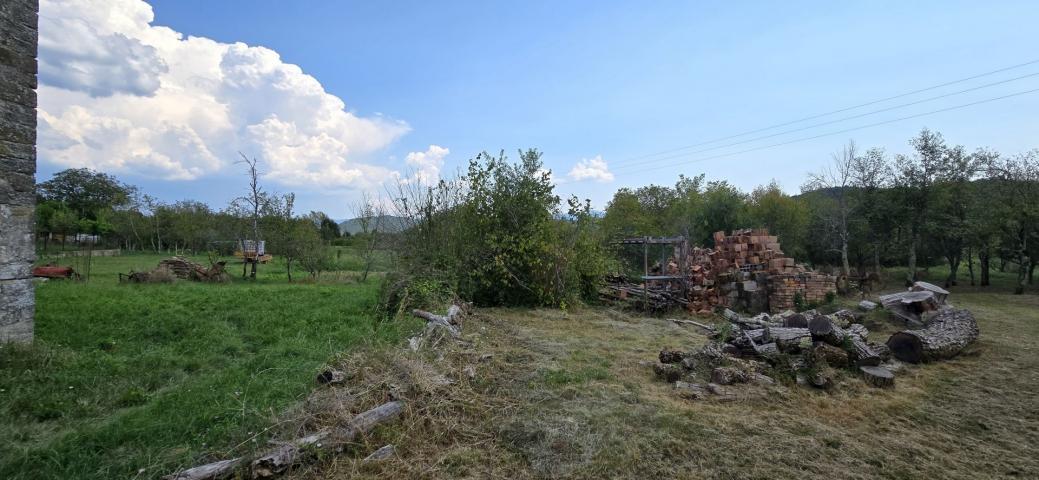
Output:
x=496 y=236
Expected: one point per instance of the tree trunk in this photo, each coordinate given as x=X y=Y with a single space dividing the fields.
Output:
x=948 y=333
x=288 y=269
x=1022 y=266
x=911 y=270
x=970 y=264
x=954 y=266
x=876 y=258
x=790 y=339
x=984 y=261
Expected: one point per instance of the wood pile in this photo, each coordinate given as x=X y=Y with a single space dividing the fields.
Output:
x=185 y=269
x=813 y=353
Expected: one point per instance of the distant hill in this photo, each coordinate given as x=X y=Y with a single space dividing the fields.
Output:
x=384 y=224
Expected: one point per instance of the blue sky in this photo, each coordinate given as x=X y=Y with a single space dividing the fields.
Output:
x=609 y=81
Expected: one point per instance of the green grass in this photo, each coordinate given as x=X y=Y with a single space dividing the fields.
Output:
x=128 y=377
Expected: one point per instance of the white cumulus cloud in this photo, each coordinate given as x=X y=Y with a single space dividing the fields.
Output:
x=591 y=169
x=427 y=165
x=122 y=95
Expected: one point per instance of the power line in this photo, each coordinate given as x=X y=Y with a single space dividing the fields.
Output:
x=830 y=122
x=845 y=109
x=838 y=132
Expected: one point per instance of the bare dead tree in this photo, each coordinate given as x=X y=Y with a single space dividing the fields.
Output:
x=253 y=203
x=837 y=178
x=370 y=214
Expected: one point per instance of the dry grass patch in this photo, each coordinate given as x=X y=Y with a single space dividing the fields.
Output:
x=565 y=396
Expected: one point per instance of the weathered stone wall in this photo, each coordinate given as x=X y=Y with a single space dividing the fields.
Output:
x=18 y=37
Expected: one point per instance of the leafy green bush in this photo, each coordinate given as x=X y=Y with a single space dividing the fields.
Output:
x=497 y=236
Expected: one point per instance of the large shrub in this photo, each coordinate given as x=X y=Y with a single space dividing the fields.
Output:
x=497 y=236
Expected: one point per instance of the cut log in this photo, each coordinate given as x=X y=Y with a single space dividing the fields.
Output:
x=878 y=376
x=940 y=294
x=867 y=306
x=857 y=330
x=728 y=376
x=830 y=355
x=381 y=454
x=796 y=320
x=862 y=354
x=948 y=333
x=437 y=326
x=670 y=355
x=910 y=305
x=790 y=340
x=668 y=372
x=282 y=458
x=768 y=351
x=824 y=329
x=209 y=471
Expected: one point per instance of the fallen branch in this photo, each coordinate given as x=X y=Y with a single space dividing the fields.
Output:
x=285 y=456
x=698 y=324
x=209 y=471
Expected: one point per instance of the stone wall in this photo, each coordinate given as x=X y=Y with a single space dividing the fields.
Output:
x=18 y=37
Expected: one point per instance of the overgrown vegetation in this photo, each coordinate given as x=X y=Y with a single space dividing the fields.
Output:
x=498 y=236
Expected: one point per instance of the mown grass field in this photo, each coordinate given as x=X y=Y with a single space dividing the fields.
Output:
x=132 y=381
x=570 y=395
x=135 y=381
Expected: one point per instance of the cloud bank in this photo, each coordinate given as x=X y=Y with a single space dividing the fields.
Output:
x=122 y=95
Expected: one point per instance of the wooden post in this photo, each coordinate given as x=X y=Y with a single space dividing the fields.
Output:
x=645 y=273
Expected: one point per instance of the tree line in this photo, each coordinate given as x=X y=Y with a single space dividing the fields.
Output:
x=868 y=209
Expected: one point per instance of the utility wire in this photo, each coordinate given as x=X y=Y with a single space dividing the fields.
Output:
x=830 y=122
x=838 y=132
x=845 y=109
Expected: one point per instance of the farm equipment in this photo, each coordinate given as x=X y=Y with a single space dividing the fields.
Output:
x=54 y=271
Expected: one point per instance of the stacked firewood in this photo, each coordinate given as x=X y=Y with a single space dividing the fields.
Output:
x=187 y=270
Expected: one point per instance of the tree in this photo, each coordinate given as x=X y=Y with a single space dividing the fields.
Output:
x=251 y=204
x=85 y=191
x=837 y=179
x=724 y=208
x=1019 y=178
x=327 y=228
x=65 y=222
x=871 y=173
x=782 y=214
x=915 y=177
x=950 y=204
x=369 y=215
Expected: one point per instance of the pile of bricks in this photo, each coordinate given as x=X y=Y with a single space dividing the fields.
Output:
x=784 y=288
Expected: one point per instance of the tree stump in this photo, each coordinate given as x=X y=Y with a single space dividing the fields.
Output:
x=948 y=333
x=878 y=376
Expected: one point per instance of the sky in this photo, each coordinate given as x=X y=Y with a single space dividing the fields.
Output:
x=340 y=98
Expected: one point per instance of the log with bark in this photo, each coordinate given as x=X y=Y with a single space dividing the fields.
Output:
x=946 y=336
x=861 y=353
x=824 y=329
x=857 y=330
x=209 y=471
x=910 y=305
x=790 y=340
x=284 y=457
x=709 y=328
